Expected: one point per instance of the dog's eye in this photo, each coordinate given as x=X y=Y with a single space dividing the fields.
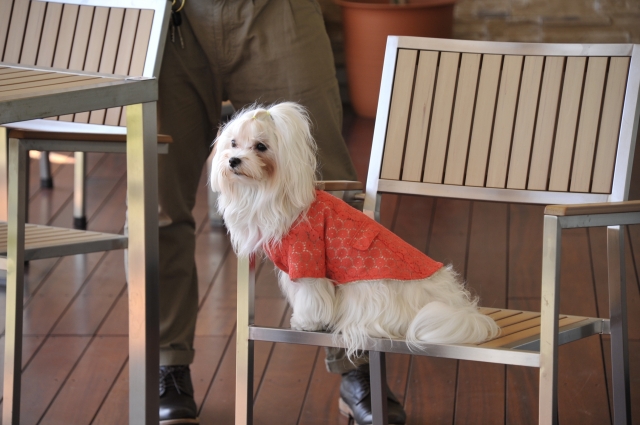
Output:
x=233 y=143
x=261 y=147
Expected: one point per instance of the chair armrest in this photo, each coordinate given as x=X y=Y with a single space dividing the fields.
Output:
x=589 y=209
x=337 y=185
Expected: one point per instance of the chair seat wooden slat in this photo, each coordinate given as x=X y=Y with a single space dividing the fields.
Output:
x=45 y=242
x=529 y=330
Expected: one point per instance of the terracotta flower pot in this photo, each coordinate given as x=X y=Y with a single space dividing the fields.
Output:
x=367 y=23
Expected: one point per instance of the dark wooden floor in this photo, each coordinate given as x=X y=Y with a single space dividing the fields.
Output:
x=75 y=343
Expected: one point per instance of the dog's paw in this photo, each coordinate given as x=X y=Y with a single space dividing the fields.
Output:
x=306 y=325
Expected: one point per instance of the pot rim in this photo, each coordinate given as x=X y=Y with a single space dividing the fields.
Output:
x=364 y=5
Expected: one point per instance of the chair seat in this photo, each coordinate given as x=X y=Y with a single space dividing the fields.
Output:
x=521 y=329
x=46 y=242
x=518 y=343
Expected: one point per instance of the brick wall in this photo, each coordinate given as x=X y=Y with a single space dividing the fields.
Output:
x=554 y=21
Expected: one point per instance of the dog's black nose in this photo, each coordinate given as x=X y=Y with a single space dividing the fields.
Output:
x=234 y=162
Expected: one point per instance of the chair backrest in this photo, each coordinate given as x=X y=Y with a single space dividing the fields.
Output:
x=513 y=122
x=124 y=37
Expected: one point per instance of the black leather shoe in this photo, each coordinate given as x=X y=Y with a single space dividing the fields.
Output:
x=355 y=399
x=177 y=406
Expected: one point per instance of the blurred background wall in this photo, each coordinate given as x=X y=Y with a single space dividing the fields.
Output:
x=554 y=21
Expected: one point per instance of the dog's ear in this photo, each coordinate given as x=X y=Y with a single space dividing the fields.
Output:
x=296 y=152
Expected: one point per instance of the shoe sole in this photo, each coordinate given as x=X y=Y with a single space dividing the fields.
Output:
x=345 y=410
x=180 y=422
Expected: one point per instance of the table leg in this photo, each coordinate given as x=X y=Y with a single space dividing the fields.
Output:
x=15 y=283
x=142 y=180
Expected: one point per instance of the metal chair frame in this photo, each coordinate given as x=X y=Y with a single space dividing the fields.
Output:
x=581 y=210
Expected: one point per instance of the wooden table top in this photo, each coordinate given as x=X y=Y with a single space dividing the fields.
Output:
x=28 y=92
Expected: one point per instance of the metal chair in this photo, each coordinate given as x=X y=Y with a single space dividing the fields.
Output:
x=110 y=39
x=506 y=122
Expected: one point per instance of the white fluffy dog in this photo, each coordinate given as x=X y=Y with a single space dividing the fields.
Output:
x=340 y=270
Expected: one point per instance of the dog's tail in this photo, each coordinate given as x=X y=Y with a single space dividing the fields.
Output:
x=441 y=323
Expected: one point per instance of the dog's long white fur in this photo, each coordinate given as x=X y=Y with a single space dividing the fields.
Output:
x=262 y=198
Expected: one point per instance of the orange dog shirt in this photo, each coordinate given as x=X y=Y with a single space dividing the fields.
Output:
x=338 y=242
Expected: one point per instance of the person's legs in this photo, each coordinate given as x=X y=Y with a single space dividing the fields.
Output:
x=280 y=52
x=188 y=109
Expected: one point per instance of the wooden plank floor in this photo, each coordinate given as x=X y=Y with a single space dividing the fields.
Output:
x=75 y=343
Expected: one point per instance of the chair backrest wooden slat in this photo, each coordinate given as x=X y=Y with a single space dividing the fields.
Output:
x=140 y=47
x=109 y=55
x=33 y=33
x=94 y=50
x=567 y=124
x=546 y=123
x=610 y=125
x=420 y=116
x=66 y=36
x=79 y=48
x=462 y=116
x=483 y=120
x=399 y=113
x=503 y=125
x=49 y=36
x=16 y=26
x=441 y=121
x=525 y=122
x=588 y=126
x=5 y=19
x=546 y=120
x=80 y=44
x=123 y=60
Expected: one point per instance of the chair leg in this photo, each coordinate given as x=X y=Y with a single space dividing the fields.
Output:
x=378 y=374
x=618 y=314
x=15 y=283
x=79 y=191
x=244 y=345
x=46 y=181
x=548 y=396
